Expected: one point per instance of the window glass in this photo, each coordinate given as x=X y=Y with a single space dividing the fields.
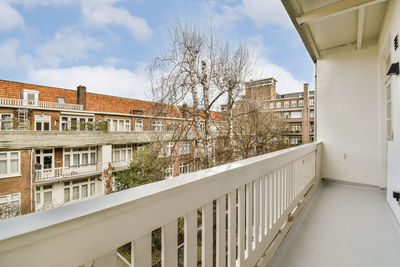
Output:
x=67 y=160
x=93 y=157
x=75 y=192
x=38 y=198
x=67 y=196
x=85 y=158
x=38 y=126
x=84 y=191
x=47 y=197
x=92 y=189
x=76 y=159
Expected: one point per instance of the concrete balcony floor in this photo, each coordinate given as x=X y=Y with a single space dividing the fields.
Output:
x=342 y=226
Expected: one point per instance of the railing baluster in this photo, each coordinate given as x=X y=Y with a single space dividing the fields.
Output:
x=267 y=203
x=241 y=224
x=207 y=235
x=256 y=213
x=221 y=232
x=232 y=229
x=190 y=240
x=169 y=244
x=249 y=218
x=263 y=215
x=141 y=251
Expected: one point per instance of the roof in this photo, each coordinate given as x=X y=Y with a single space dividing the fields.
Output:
x=293 y=95
x=96 y=102
x=327 y=24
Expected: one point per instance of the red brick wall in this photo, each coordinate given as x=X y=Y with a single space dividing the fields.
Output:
x=13 y=90
x=20 y=184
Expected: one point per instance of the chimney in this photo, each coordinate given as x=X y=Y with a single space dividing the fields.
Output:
x=81 y=96
x=306 y=116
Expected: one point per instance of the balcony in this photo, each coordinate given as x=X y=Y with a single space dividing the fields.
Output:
x=253 y=201
x=120 y=165
x=13 y=102
x=63 y=173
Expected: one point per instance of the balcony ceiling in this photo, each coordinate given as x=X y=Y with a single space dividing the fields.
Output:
x=328 y=24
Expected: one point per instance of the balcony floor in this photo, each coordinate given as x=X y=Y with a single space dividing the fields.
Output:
x=342 y=226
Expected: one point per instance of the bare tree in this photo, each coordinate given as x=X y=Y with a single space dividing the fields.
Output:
x=198 y=72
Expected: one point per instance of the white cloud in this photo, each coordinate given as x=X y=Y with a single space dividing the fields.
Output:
x=67 y=45
x=266 y=11
x=261 y=12
x=264 y=68
x=9 y=17
x=95 y=13
x=103 y=13
x=100 y=79
x=11 y=58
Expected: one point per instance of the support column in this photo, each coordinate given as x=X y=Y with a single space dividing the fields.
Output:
x=106 y=159
x=305 y=128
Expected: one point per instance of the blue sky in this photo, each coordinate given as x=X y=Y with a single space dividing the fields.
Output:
x=107 y=44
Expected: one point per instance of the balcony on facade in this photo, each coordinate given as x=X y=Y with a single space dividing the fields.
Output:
x=22 y=103
x=52 y=175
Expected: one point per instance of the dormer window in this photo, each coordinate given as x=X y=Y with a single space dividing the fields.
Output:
x=30 y=96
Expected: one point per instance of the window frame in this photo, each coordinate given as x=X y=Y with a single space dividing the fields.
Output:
x=9 y=159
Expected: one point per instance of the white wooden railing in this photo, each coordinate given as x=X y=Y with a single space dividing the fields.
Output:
x=256 y=197
x=42 y=104
x=65 y=172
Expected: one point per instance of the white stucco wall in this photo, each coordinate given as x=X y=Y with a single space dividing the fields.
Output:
x=390 y=29
x=348 y=115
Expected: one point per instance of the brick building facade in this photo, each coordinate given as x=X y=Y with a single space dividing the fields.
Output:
x=297 y=109
x=57 y=143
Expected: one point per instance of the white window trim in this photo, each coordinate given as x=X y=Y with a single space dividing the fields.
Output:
x=43 y=119
x=128 y=154
x=185 y=148
x=78 y=128
x=137 y=123
x=71 y=157
x=11 y=121
x=17 y=174
x=126 y=124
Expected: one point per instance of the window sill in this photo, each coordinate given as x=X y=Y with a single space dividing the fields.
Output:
x=10 y=176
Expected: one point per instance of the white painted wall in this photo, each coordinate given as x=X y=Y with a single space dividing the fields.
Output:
x=391 y=27
x=348 y=114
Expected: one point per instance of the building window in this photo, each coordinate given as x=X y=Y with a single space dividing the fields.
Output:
x=265 y=105
x=76 y=124
x=185 y=148
x=286 y=104
x=277 y=116
x=122 y=154
x=389 y=112
x=296 y=128
x=296 y=140
x=301 y=103
x=6 y=122
x=278 y=105
x=10 y=205
x=170 y=171
x=311 y=102
x=118 y=125
x=184 y=168
x=42 y=123
x=312 y=138
x=271 y=105
x=296 y=115
x=81 y=189
x=158 y=126
x=286 y=115
x=30 y=97
x=61 y=100
x=294 y=103
x=10 y=164
x=138 y=126
x=80 y=156
x=287 y=140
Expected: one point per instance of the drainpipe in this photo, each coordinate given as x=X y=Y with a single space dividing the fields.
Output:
x=31 y=177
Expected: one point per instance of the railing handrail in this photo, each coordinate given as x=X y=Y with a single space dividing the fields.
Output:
x=143 y=206
x=43 y=104
x=62 y=172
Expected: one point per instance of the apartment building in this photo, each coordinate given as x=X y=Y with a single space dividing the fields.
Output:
x=297 y=109
x=59 y=146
